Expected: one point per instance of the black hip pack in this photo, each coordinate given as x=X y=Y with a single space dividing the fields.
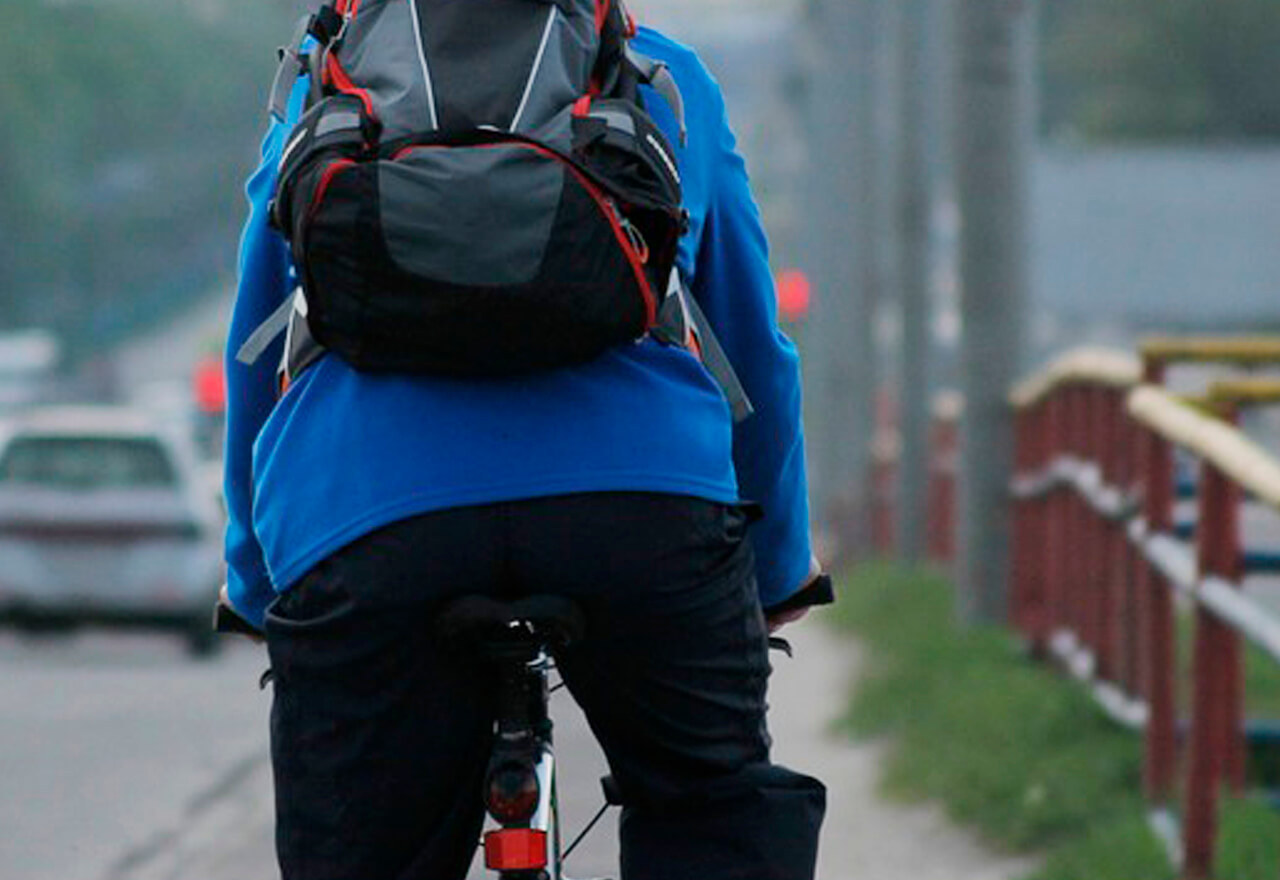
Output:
x=474 y=189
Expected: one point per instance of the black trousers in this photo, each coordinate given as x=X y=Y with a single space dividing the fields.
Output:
x=379 y=737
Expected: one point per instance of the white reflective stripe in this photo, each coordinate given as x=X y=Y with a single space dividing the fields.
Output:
x=291 y=146
x=537 y=65
x=422 y=59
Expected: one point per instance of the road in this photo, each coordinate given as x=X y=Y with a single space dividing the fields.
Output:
x=123 y=759
x=110 y=743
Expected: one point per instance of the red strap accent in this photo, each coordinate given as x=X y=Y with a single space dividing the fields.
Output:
x=515 y=849
x=338 y=77
x=632 y=27
x=602 y=14
x=582 y=106
x=693 y=343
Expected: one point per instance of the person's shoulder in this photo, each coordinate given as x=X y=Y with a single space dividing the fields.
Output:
x=686 y=66
x=656 y=44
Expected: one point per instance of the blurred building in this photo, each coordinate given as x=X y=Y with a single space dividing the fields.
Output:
x=1133 y=239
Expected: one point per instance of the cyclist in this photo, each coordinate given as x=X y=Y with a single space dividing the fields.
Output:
x=359 y=502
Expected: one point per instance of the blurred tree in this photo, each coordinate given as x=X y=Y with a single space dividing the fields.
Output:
x=128 y=129
x=1160 y=69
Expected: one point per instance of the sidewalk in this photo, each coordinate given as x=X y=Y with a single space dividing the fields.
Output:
x=864 y=838
x=226 y=835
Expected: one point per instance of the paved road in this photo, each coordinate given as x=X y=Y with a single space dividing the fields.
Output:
x=124 y=760
x=109 y=743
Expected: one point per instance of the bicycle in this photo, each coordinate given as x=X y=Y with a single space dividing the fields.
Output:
x=519 y=639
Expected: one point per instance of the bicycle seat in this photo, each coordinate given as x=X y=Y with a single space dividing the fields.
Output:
x=537 y=620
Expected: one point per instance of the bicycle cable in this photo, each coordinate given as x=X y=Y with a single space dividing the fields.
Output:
x=585 y=831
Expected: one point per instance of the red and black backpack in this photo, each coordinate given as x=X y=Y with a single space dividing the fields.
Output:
x=475 y=188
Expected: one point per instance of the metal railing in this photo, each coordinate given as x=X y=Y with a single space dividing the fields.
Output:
x=946 y=409
x=1098 y=565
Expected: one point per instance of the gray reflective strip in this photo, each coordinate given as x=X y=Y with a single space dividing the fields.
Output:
x=672 y=325
x=286 y=75
x=301 y=349
x=337 y=122
x=426 y=71
x=679 y=316
x=656 y=74
x=289 y=70
x=537 y=65
x=665 y=84
x=717 y=362
x=265 y=334
x=614 y=119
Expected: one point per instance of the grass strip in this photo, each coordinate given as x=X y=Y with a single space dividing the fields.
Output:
x=1013 y=750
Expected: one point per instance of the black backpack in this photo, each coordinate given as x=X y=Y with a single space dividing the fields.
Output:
x=476 y=189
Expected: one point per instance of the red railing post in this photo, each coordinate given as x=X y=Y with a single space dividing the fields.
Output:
x=1216 y=746
x=1158 y=666
x=1083 y=588
x=1020 y=550
x=1088 y=546
x=882 y=482
x=1099 y=623
x=1038 y=514
x=1070 y=516
x=1125 y=562
x=1109 y=536
x=1057 y=557
x=942 y=479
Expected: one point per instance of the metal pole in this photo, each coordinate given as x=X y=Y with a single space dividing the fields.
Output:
x=914 y=194
x=865 y=22
x=993 y=145
x=839 y=349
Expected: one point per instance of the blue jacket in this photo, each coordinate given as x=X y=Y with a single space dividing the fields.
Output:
x=343 y=453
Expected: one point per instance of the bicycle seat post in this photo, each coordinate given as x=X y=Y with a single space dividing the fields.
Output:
x=517 y=639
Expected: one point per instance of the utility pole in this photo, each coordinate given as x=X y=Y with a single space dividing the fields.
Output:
x=994 y=135
x=915 y=198
x=839 y=341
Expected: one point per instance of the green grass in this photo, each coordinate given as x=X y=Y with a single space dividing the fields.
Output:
x=1014 y=751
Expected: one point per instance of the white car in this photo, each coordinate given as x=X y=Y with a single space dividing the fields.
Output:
x=105 y=518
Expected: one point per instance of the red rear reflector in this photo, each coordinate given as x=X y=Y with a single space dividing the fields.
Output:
x=515 y=849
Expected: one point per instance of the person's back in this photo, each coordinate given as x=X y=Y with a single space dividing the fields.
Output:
x=358 y=501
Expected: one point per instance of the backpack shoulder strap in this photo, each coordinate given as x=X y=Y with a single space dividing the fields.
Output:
x=327 y=26
x=300 y=348
x=658 y=76
x=681 y=321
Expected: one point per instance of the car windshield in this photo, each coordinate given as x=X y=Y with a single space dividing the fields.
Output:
x=87 y=463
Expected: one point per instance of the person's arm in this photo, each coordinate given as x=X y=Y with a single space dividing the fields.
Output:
x=264 y=281
x=734 y=285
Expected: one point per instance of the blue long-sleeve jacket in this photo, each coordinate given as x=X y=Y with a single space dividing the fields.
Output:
x=343 y=452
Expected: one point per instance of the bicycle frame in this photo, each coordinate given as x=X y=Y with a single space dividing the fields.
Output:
x=517 y=640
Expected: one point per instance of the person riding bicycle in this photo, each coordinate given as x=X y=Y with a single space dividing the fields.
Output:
x=359 y=502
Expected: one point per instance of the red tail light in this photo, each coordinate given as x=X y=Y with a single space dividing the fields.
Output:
x=515 y=849
x=511 y=793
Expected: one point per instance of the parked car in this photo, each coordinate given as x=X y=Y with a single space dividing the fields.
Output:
x=106 y=518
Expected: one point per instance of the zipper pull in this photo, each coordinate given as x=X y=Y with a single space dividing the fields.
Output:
x=638 y=244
